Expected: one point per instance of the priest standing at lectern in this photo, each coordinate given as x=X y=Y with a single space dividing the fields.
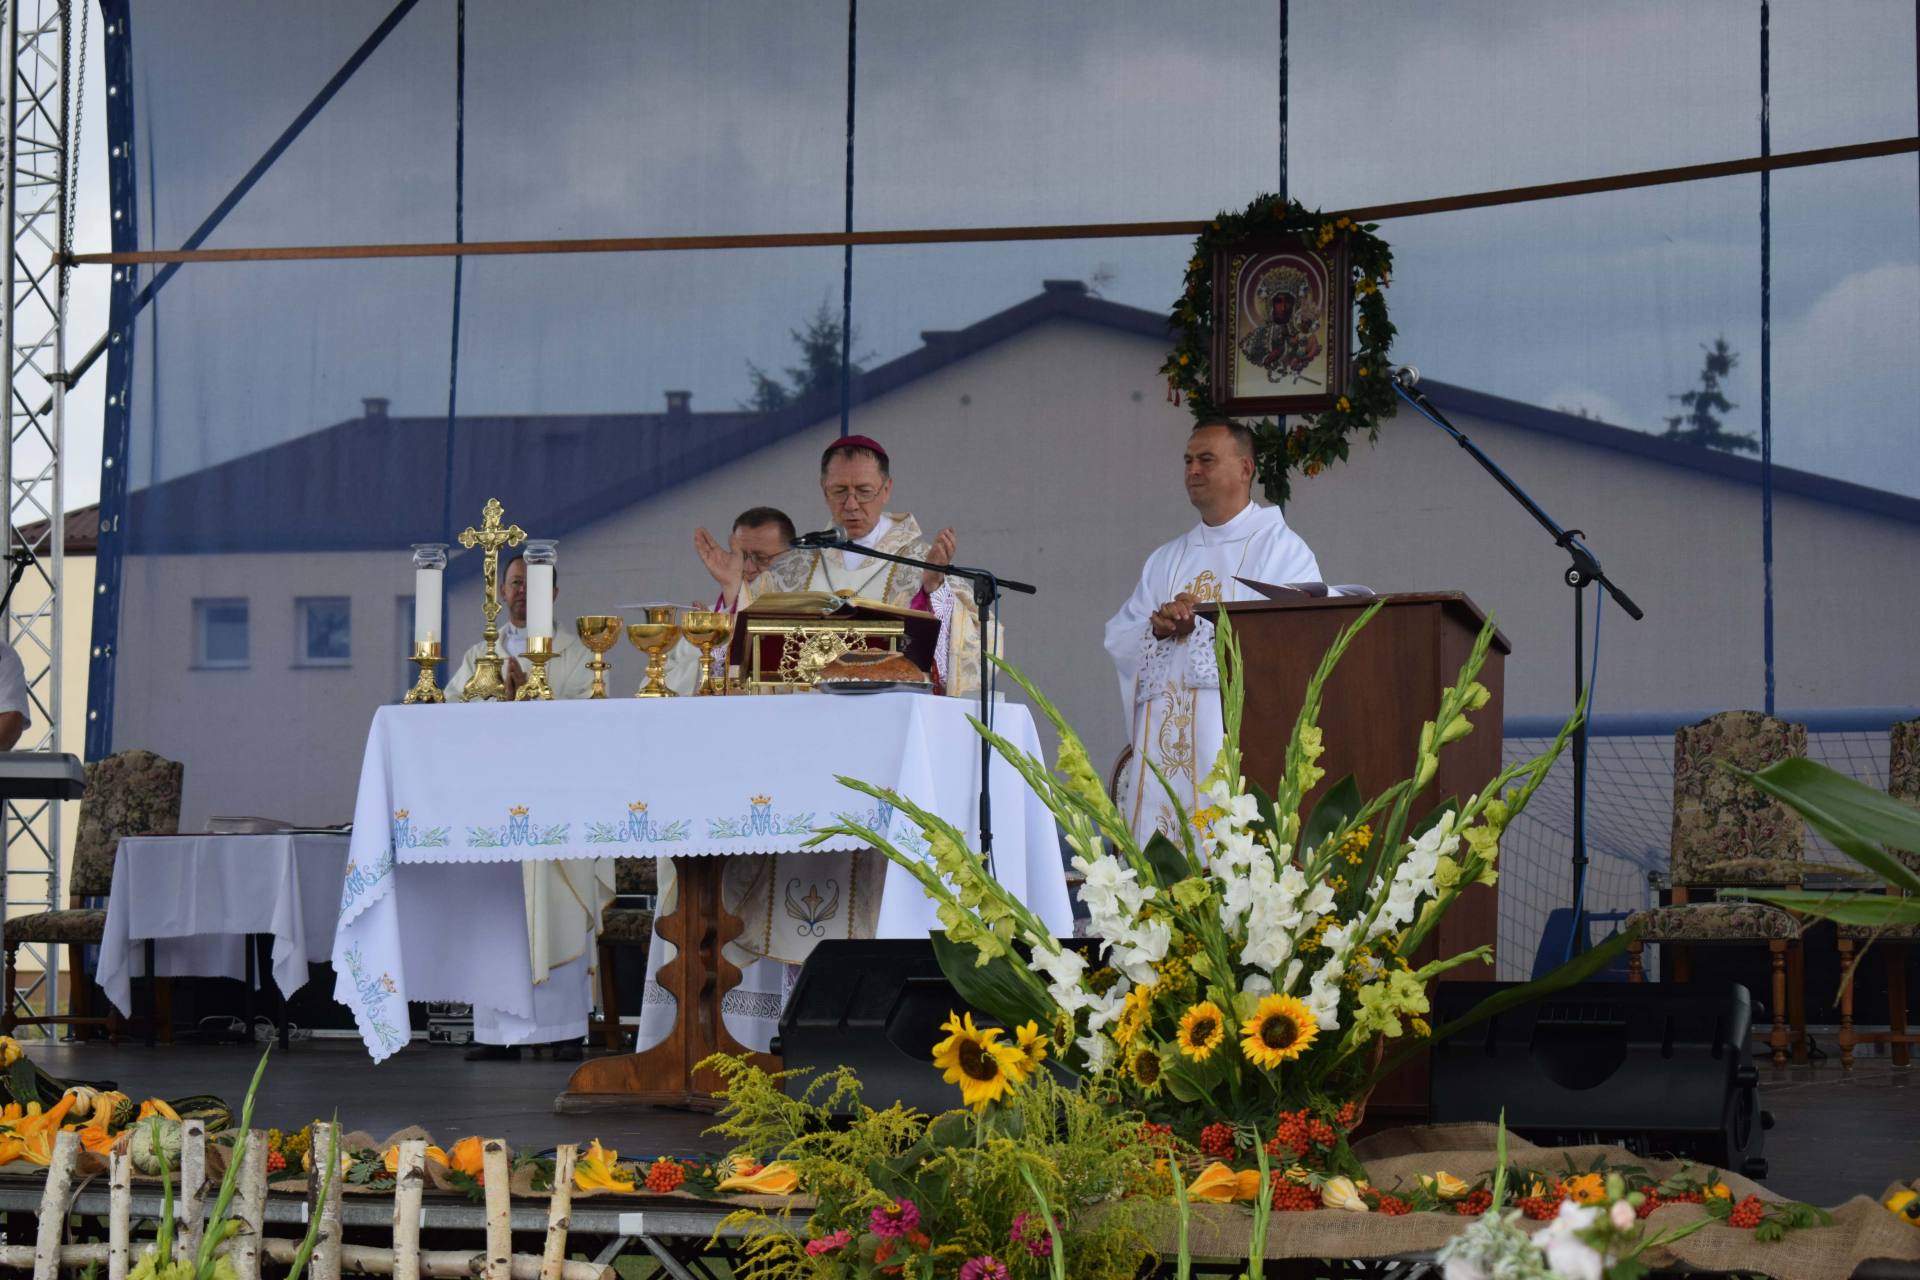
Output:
x=1169 y=681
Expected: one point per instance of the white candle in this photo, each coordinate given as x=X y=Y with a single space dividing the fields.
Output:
x=426 y=604
x=540 y=600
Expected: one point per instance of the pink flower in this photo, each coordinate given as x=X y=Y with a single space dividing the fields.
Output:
x=1031 y=1230
x=984 y=1267
x=895 y=1218
x=827 y=1244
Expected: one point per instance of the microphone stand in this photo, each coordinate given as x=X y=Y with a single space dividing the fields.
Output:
x=1585 y=568
x=986 y=593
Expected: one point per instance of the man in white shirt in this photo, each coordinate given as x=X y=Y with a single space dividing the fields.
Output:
x=1163 y=652
x=760 y=536
x=16 y=708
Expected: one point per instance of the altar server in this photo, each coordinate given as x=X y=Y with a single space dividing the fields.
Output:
x=1163 y=652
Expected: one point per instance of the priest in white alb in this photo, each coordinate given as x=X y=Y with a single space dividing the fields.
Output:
x=789 y=902
x=1163 y=651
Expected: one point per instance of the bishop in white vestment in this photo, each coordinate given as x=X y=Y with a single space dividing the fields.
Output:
x=1169 y=681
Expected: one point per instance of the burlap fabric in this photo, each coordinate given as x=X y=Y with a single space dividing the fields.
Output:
x=1861 y=1230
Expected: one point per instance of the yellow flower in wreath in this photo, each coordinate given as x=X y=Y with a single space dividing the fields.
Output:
x=1344 y=405
x=1032 y=1046
x=1133 y=1015
x=1586 y=1188
x=985 y=1069
x=1202 y=1029
x=1281 y=1029
x=1143 y=1067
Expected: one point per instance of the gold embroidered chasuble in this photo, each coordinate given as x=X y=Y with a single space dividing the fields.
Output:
x=1170 y=688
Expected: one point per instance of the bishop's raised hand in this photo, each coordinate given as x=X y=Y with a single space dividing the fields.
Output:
x=940 y=553
x=727 y=564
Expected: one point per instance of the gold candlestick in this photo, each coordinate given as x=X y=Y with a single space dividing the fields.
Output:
x=708 y=629
x=487 y=685
x=539 y=654
x=426 y=656
x=599 y=632
x=654 y=637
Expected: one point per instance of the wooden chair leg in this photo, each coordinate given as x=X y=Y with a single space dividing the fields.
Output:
x=79 y=989
x=163 y=1007
x=1846 y=1004
x=1797 y=997
x=1777 y=953
x=8 y=1018
x=611 y=1033
x=1897 y=1004
x=1634 y=972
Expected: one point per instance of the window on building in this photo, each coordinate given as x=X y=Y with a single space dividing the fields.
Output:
x=220 y=633
x=323 y=631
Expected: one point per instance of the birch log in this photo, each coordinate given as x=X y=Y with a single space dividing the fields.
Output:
x=53 y=1206
x=411 y=1179
x=193 y=1186
x=326 y=1253
x=119 y=1212
x=559 y=1212
x=355 y=1259
x=250 y=1205
x=497 y=1173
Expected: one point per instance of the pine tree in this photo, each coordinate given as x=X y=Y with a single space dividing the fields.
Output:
x=817 y=373
x=1702 y=424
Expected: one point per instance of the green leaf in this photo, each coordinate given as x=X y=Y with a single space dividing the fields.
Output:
x=992 y=988
x=1338 y=803
x=1576 y=970
x=1876 y=910
x=1168 y=862
x=1855 y=817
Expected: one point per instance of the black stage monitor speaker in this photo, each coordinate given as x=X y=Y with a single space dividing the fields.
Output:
x=874 y=1005
x=1659 y=1069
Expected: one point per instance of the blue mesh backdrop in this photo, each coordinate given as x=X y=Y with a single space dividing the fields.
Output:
x=280 y=431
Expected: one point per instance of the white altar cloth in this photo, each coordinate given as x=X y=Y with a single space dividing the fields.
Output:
x=452 y=798
x=200 y=896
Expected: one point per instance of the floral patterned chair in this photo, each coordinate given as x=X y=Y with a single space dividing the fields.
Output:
x=1726 y=835
x=623 y=927
x=1903 y=783
x=128 y=793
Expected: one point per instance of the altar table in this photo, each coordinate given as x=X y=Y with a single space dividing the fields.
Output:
x=453 y=797
x=200 y=897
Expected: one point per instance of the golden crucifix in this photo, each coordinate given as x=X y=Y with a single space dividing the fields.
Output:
x=486 y=684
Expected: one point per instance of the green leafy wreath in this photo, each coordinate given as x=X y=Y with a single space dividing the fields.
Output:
x=1313 y=441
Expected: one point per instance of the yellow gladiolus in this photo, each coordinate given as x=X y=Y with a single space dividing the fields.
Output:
x=466 y=1156
x=777 y=1179
x=1218 y=1184
x=1444 y=1185
x=391 y=1158
x=599 y=1169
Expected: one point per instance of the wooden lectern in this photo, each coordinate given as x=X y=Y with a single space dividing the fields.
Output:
x=1385 y=687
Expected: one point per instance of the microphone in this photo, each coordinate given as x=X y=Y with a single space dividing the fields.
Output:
x=1405 y=376
x=821 y=537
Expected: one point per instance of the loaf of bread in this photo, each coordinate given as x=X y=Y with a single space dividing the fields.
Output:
x=871 y=664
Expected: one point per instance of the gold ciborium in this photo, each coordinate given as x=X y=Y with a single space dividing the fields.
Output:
x=654 y=637
x=709 y=629
x=599 y=632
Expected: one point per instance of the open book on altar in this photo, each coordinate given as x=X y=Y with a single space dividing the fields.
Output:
x=783 y=639
x=1304 y=590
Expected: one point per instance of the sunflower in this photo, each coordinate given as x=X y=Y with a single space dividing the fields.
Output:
x=1143 y=1066
x=1281 y=1028
x=972 y=1058
x=1032 y=1046
x=1133 y=1015
x=1202 y=1028
x=1062 y=1029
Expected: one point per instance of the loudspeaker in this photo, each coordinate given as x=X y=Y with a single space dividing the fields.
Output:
x=1660 y=1069
x=875 y=1005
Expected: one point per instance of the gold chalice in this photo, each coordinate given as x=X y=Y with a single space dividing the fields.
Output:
x=709 y=629
x=599 y=632
x=654 y=637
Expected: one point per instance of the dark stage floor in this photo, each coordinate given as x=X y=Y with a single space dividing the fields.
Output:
x=1836 y=1135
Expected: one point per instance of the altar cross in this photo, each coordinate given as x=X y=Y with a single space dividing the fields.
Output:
x=486 y=683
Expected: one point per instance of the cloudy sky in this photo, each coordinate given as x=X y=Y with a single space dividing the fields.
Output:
x=633 y=119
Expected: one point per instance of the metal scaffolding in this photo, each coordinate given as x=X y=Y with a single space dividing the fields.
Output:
x=41 y=113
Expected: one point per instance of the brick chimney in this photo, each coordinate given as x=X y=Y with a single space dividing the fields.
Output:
x=374 y=408
x=679 y=404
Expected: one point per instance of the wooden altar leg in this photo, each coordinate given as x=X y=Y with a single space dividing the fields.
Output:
x=698 y=977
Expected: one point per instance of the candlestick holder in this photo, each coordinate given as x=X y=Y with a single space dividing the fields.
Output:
x=539 y=654
x=426 y=656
